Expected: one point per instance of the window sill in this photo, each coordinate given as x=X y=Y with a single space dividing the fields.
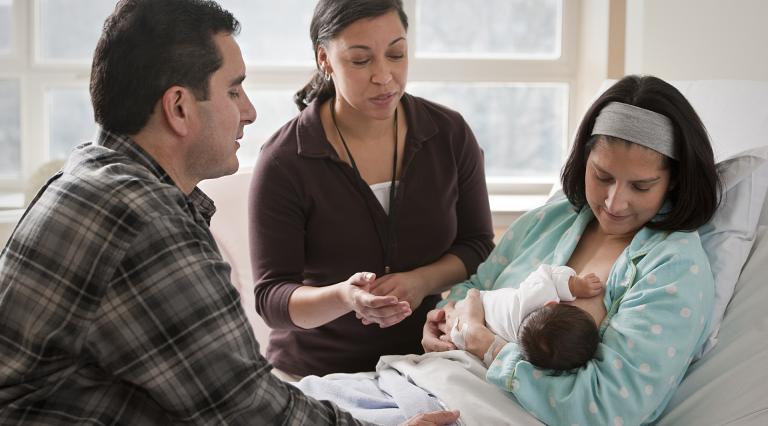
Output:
x=11 y=200
x=506 y=208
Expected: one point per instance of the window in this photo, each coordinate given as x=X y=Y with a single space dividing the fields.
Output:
x=10 y=128
x=511 y=81
x=520 y=126
x=514 y=29
x=5 y=27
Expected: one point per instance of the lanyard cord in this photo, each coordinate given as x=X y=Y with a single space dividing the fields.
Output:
x=388 y=246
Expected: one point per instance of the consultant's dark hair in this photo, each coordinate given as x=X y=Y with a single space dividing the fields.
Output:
x=694 y=182
x=148 y=46
x=330 y=18
x=558 y=337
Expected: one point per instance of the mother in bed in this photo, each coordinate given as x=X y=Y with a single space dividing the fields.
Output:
x=639 y=181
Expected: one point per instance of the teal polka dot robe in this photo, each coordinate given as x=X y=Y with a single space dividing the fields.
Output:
x=659 y=296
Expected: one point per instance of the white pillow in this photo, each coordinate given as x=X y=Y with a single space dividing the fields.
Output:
x=729 y=236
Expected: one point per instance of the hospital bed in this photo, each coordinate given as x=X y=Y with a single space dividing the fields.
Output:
x=729 y=383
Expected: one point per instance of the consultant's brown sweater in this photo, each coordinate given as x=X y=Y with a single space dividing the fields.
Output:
x=313 y=221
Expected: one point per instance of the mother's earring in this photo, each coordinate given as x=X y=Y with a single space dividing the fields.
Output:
x=327 y=76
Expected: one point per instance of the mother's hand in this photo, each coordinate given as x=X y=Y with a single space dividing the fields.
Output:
x=469 y=310
x=477 y=337
x=434 y=328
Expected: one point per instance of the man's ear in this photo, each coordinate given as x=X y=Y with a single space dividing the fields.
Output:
x=176 y=105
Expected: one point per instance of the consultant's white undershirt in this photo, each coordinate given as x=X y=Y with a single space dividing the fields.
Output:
x=381 y=191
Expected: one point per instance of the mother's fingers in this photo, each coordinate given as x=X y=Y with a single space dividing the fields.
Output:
x=431 y=341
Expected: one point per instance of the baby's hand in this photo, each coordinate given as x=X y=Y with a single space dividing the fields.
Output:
x=588 y=285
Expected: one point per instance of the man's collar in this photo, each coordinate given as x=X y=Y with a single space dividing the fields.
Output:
x=125 y=145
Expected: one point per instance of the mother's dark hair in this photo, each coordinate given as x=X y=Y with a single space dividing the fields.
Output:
x=330 y=18
x=148 y=46
x=694 y=182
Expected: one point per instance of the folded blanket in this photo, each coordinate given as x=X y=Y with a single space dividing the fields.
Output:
x=457 y=379
x=384 y=398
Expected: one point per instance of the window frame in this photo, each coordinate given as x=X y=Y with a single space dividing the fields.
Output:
x=507 y=70
x=36 y=76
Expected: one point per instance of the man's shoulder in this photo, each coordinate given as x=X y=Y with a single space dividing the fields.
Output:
x=113 y=183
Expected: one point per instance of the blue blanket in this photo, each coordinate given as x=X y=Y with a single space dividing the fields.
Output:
x=386 y=398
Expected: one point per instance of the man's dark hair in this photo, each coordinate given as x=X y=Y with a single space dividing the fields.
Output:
x=558 y=337
x=694 y=182
x=329 y=19
x=148 y=46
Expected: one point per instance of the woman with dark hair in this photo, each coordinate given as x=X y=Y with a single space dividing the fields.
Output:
x=365 y=178
x=640 y=180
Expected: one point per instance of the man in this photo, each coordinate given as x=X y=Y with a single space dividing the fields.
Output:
x=115 y=304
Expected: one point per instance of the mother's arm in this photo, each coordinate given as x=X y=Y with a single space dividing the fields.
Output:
x=485 y=278
x=645 y=351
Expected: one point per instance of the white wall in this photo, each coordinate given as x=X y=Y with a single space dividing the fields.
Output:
x=698 y=39
x=593 y=56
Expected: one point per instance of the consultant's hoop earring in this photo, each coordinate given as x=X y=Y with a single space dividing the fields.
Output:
x=327 y=76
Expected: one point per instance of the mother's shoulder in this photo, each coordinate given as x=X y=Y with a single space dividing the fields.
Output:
x=678 y=245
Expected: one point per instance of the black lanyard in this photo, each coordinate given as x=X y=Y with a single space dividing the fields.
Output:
x=389 y=241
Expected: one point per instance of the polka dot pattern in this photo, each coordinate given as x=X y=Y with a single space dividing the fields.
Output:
x=624 y=393
x=660 y=313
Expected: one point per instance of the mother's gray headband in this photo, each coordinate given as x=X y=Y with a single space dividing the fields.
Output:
x=637 y=125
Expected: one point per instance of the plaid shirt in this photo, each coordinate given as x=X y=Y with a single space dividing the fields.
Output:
x=116 y=308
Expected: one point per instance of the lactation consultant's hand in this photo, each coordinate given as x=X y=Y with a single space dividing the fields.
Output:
x=407 y=286
x=370 y=308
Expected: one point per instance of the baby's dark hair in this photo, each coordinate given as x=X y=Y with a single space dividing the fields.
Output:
x=558 y=337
